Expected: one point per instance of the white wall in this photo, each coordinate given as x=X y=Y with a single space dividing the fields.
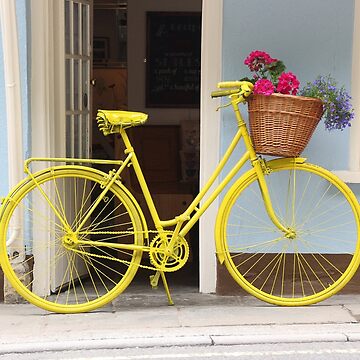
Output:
x=137 y=52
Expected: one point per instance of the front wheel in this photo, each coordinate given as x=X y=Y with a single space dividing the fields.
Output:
x=52 y=262
x=318 y=256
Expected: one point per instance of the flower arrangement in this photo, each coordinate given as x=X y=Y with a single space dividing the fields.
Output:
x=269 y=77
x=338 y=111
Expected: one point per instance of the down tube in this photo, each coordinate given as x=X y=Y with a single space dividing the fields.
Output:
x=215 y=193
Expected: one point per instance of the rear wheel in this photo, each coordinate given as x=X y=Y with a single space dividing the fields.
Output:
x=311 y=263
x=62 y=269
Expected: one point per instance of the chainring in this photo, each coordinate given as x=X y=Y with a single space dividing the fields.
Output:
x=172 y=262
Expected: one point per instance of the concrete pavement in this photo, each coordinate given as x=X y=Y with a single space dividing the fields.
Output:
x=141 y=318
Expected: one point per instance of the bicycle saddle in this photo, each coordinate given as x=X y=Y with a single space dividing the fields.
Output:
x=109 y=121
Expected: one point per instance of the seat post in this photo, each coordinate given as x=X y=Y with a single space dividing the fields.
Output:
x=126 y=140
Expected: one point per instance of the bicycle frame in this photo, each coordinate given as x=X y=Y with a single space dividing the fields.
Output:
x=78 y=216
x=194 y=212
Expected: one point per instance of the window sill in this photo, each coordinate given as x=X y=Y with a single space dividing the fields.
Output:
x=348 y=176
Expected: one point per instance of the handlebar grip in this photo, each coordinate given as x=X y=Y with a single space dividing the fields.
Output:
x=220 y=93
x=229 y=84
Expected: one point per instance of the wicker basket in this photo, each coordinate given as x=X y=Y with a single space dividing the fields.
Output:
x=282 y=125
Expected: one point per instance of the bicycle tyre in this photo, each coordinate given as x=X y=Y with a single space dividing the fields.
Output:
x=79 y=278
x=323 y=213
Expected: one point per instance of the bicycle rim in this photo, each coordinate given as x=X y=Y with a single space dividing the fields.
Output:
x=56 y=273
x=312 y=264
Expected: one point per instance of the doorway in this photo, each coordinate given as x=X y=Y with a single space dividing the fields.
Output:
x=119 y=70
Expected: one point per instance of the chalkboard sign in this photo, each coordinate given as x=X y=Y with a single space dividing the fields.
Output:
x=173 y=59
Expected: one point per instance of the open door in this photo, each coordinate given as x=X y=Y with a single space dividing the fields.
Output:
x=78 y=65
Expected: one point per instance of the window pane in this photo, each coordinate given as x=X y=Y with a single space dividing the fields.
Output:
x=85 y=135
x=68 y=83
x=67 y=27
x=77 y=137
x=69 y=136
x=76 y=28
x=85 y=84
x=85 y=30
x=76 y=84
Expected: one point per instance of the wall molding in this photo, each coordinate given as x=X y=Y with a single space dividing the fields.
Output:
x=354 y=156
x=211 y=73
x=47 y=98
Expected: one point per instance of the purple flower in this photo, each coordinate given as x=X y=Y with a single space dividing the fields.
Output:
x=338 y=111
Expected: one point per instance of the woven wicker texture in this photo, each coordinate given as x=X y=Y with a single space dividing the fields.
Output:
x=282 y=125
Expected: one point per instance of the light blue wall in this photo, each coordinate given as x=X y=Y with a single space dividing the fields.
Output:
x=312 y=37
x=21 y=12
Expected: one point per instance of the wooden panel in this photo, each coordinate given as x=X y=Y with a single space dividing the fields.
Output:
x=158 y=152
x=110 y=89
x=226 y=285
x=167 y=205
x=157 y=149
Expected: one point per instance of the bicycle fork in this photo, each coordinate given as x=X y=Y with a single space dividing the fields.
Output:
x=260 y=169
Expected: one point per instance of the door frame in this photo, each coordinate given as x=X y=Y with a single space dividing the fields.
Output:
x=210 y=125
x=48 y=104
x=47 y=99
x=48 y=96
x=47 y=78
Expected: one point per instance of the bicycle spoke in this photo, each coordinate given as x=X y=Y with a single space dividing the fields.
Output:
x=79 y=272
x=311 y=262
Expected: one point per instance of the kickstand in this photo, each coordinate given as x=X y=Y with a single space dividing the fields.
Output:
x=166 y=288
x=154 y=279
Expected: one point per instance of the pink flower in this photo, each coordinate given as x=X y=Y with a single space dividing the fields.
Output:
x=288 y=84
x=266 y=72
x=264 y=87
x=257 y=59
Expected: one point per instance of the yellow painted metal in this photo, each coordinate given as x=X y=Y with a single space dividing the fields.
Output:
x=112 y=121
x=218 y=226
x=102 y=244
x=142 y=182
x=166 y=245
x=113 y=175
x=224 y=255
x=34 y=182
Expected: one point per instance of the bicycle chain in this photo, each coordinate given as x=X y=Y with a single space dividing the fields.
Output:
x=129 y=232
x=115 y=259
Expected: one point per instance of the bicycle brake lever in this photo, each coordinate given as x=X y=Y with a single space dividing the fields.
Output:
x=223 y=106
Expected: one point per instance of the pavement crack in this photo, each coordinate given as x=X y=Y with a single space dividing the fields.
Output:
x=354 y=316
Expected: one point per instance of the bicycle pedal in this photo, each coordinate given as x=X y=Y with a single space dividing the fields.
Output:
x=154 y=280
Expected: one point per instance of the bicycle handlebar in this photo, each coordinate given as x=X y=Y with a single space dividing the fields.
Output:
x=243 y=88
x=220 y=93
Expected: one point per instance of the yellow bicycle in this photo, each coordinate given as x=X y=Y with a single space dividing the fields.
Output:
x=72 y=236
